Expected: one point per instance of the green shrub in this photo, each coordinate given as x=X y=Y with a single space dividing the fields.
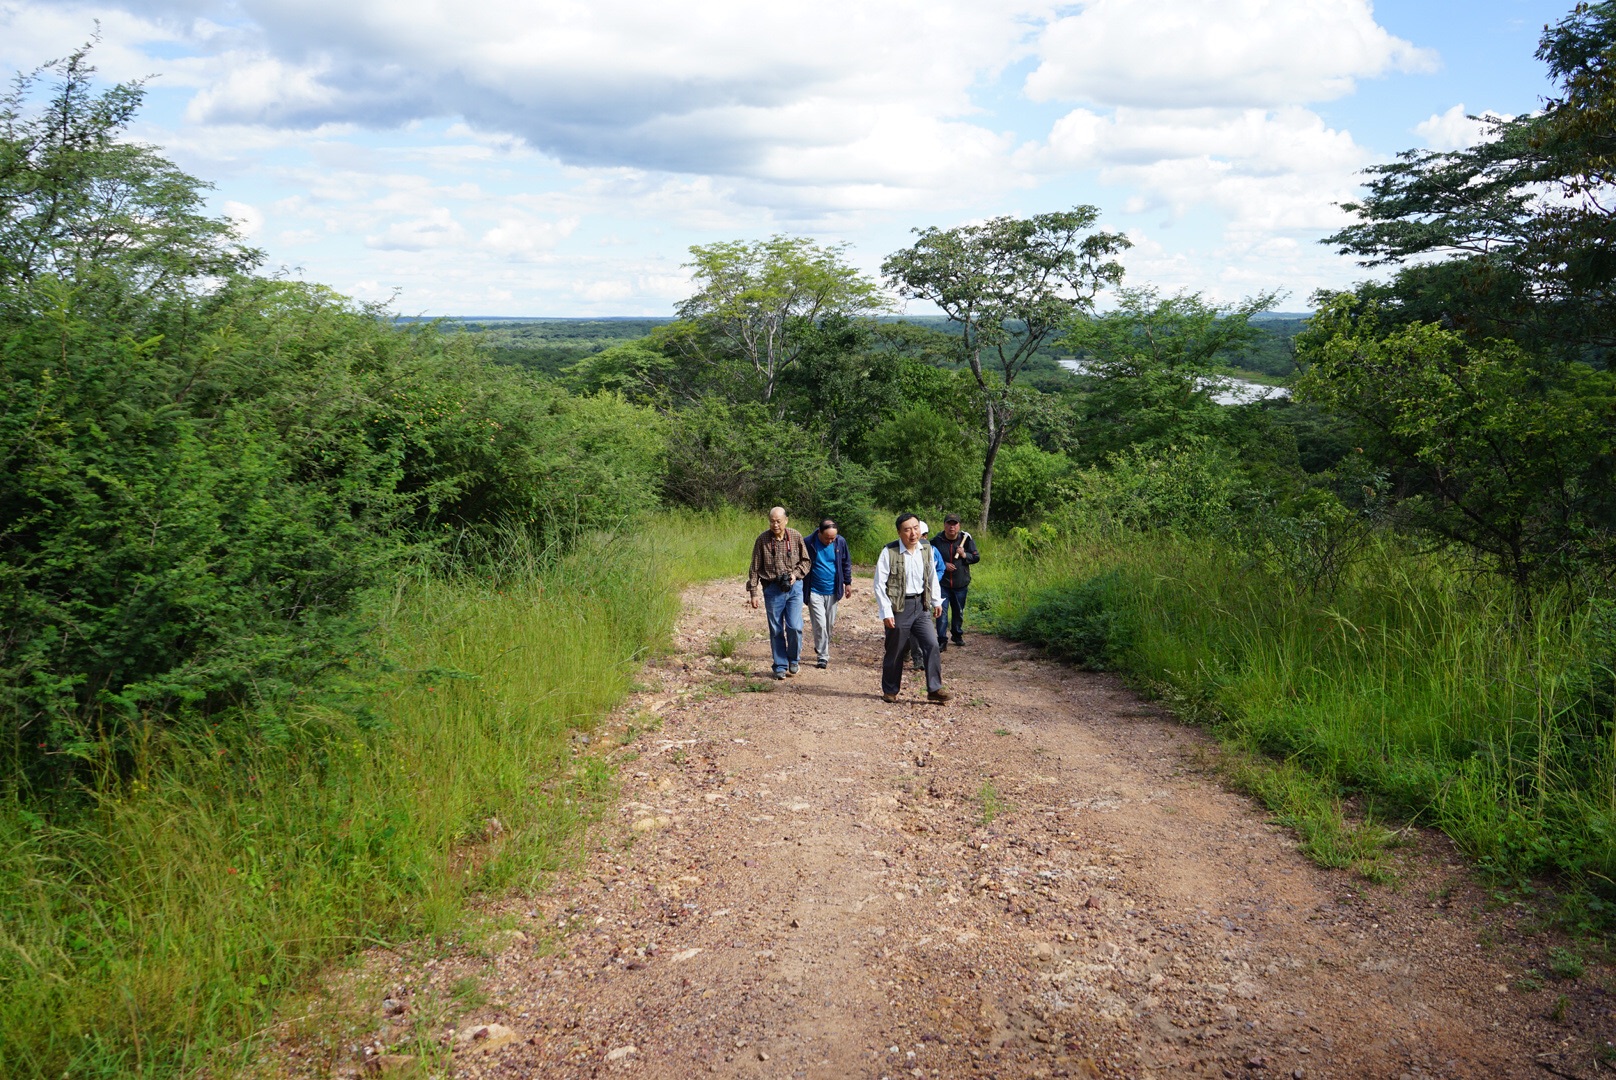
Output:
x=929 y=465
x=1090 y=624
x=1027 y=484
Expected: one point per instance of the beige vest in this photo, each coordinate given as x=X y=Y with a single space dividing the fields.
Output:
x=897 y=587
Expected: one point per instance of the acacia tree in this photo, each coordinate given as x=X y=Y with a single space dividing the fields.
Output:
x=1525 y=220
x=82 y=205
x=1011 y=284
x=756 y=302
x=1481 y=377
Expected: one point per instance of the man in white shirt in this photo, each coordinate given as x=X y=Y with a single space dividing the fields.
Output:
x=909 y=596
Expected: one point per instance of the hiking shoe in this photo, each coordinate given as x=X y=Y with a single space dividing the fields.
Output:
x=939 y=696
x=822 y=665
x=890 y=699
x=942 y=646
x=960 y=642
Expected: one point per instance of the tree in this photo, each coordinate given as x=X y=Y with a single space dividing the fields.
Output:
x=1480 y=376
x=755 y=301
x=1011 y=284
x=1509 y=455
x=1155 y=362
x=925 y=460
x=1524 y=219
x=80 y=205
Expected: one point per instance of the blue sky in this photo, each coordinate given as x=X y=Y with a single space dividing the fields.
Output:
x=559 y=157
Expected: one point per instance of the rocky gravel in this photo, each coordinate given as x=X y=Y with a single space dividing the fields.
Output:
x=1041 y=878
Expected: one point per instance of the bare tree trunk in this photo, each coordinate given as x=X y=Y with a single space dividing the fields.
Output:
x=995 y=437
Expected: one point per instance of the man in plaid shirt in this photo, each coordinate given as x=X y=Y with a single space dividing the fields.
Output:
x=780 y=561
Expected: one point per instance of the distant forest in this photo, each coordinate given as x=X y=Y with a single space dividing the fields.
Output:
x=549 y=346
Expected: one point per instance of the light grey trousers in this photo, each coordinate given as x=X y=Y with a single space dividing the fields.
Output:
x=822 y=617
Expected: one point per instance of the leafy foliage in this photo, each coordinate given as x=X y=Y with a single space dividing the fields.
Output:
x=1510 y=455
x=1011 y=284
x=755 y=302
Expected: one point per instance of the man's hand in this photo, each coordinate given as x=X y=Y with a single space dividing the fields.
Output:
x=937 y=612
x=949 y=565
x=754 y=601
x=890 y=624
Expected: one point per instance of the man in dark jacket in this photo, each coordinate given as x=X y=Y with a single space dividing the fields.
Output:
x=828 y=580
x=958 y=551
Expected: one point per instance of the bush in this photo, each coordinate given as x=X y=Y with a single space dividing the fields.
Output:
x=195 y=501
x=927 y=462
x=1189 y=489
x=722 y=454
x=1028 y=483
x=1089 y=624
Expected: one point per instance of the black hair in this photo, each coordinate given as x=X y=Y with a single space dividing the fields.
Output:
x=906 y=517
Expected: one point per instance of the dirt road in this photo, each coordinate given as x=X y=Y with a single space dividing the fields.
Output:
x=1040 y=878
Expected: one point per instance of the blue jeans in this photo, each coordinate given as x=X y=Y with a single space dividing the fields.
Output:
x=784 y=608
x=953 y=598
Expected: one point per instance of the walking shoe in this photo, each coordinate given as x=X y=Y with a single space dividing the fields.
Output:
x=960 y=642
x=942 y=646
x=823 y=664
x=939 y=696
x=779 y=674
x=792 y=670
x=889 y=698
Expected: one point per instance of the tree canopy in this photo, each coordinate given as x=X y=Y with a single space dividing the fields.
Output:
x=1011 y=284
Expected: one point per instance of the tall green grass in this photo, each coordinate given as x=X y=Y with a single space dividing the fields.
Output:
x=150 y=928
x=1419 y=687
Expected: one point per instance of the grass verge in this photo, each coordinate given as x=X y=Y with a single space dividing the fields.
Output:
x=149 y=928
x=1417 y=688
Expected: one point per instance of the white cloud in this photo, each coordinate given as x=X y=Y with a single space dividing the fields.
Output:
x=1195 y=53
x=870 y=100
x=248 y=218
x=490 y=151
x=522 y=237
x=435 y=229
x=1454 y=130
x=1266 y=170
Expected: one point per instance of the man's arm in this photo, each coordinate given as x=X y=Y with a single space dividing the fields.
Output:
x=883 y=570
x=754 y=575
x=971 y=554
x=805 y=561
x=844 y=555
x=936 y=585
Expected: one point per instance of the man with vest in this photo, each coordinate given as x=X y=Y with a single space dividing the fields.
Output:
x=909 y=596
x=958 y=552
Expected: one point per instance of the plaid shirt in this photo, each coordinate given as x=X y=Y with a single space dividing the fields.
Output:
x=773 y=559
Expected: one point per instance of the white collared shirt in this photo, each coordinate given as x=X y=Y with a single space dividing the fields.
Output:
x=914 y=566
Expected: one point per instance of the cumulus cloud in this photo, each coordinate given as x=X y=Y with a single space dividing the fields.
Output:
x=248 y=218
x=1265 y=170
x=1196 y=103
x=1456 y=130
x=826 y=92
x=435 y=229
x=523 y=237
x=668 y=124
x=1190 y=53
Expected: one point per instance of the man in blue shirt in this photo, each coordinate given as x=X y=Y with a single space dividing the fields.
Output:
x=829 y=575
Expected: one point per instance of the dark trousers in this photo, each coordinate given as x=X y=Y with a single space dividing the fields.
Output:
x=914 y=625
x=953 y=598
